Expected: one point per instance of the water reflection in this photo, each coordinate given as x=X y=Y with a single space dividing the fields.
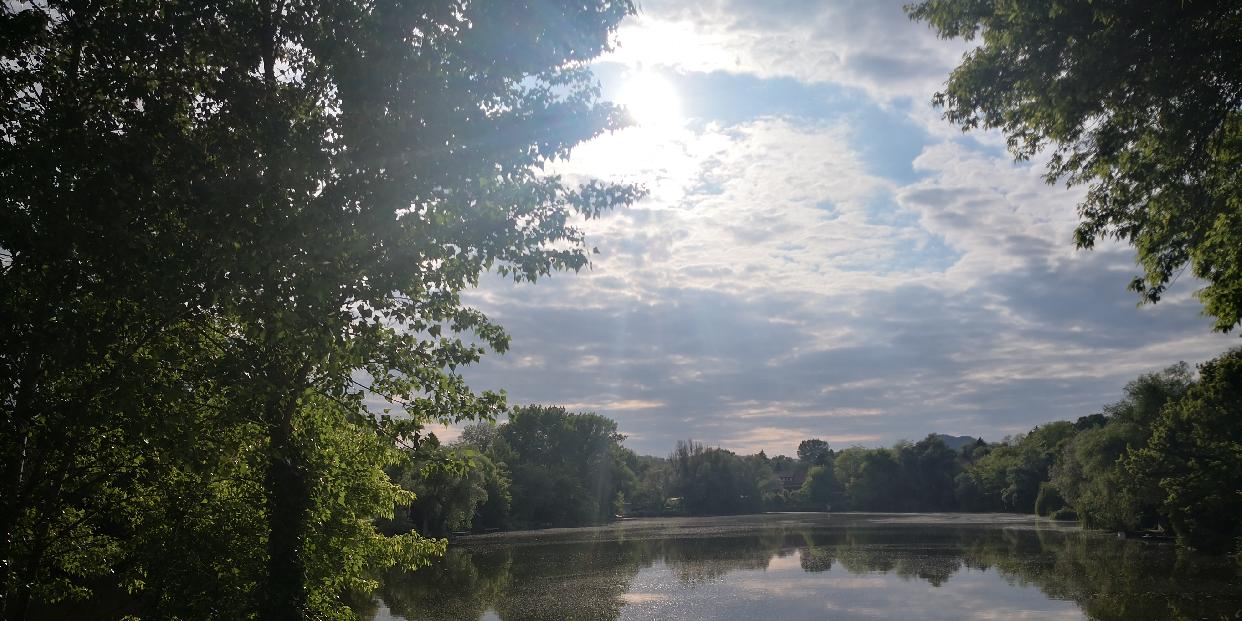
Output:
x=814 y=566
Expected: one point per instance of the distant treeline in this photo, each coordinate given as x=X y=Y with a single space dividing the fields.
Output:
x=1167 y=456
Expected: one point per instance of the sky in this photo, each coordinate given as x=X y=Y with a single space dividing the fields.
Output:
x=820 y=255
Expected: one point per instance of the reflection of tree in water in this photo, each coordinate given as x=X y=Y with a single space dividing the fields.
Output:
x=858 y=552
x=704 y=560
x=1112 y=580
x=882 y=551
x=459 y=586
x=814 y=557
x=572 y=581
x=521 y=582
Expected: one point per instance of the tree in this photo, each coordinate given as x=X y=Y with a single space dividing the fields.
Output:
x=451 y=485
x=814 y=452
x=1089 y=473
x=713 y=481
x=782 y=463
x=1089 y=477
x=1193 y=456
x=292 y=196
x=110 y=402
x=879 y=488
x=482 y=436
x=1008 y=476
x=653 y=487
x=1140 y=101
x=928 y=471
x=820 y=488
x=1049 y=500
x=870 y=479
x=567 y=468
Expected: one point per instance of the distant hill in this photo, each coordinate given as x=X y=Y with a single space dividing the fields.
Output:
x=956 y=442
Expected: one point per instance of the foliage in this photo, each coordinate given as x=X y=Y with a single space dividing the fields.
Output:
x=1089 y=477
x=1064 y=513
x=815 y=452
x=1007 y=478
x=820 y=487
x=351 y=488
x=1090 y=472
x=869 y=478
x=484 y=438
x=224 y=224
x=566 y=468
x=782 y=463
x=481 y=436
x=713 y=481
x=1049 y=500
x=1140 y=101
x=450 y=485
x=928 y=472
x=653 y=486
x=1195 y=457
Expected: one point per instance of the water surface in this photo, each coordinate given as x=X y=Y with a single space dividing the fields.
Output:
x=838 y=567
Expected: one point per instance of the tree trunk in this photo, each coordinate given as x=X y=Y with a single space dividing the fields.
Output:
x=9 y=586
x=15 y=589
x=288 y=504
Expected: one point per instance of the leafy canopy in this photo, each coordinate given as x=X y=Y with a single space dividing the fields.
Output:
x=223 y=224
x=1140 y=101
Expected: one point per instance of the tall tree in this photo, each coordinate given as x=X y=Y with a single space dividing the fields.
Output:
x=814 y=452
x=1140 y=101
x=305 y=187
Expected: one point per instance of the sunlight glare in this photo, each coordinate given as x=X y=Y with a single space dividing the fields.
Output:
x=651 y=100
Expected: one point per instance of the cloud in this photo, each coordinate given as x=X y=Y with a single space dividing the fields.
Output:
x=622 y=405
x=753 y=440
x=827 y=269
x=867 y=44
x=775 y=289
x=769 y=203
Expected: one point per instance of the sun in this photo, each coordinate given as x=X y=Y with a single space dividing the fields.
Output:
x=651 y=100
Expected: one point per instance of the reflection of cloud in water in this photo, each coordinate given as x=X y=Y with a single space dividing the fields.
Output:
x=1024 y=615
x=790 y=593
x=786 y=563
x=643 y=598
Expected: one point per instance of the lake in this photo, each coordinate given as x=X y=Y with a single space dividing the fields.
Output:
x=837 y=567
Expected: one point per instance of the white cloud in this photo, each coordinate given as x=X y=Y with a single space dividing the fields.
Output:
x=1001 y=216
x=868 y=44
x=775 y=287
x=768 y=204
x=765 y=294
